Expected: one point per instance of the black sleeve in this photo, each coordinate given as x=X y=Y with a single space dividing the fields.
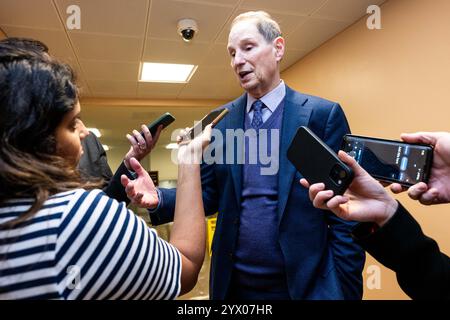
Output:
x=94 y=162
x=114 y=188
x=423 y=272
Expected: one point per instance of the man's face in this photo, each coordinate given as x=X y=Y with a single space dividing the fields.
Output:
x=253 y=59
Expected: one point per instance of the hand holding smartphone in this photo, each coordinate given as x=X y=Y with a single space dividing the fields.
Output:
x=213 y=118
x=165 y=120
x=389 y=160
x=317 y=162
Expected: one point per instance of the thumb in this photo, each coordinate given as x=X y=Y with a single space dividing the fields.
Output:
x=351 y=162
x=136 y=166
x=206 y=137
x=124 y=180
x=420 y=137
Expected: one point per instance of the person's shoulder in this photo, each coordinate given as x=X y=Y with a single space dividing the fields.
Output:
x=308 y=99
x=82 y=199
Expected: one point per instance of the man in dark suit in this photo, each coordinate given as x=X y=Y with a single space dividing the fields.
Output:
x=387 y=231
x=269 y=242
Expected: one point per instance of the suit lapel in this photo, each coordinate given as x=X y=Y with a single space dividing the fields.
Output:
x=236 y=121
x=295 y=114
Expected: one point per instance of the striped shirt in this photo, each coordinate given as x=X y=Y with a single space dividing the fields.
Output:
x=84 y=245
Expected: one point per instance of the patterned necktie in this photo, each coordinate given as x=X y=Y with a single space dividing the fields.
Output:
x=257 y=120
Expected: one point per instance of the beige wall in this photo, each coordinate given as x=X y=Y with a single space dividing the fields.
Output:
x=389 y=81
x=2 y=34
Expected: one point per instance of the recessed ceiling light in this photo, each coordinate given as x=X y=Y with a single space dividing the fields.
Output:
x=95 y=131
x=172 y=146
x=167 y=72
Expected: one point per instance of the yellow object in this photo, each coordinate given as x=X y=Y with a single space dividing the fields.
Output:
x=210 y=227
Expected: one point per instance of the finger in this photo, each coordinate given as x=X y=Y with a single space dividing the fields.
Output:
x=314 y=189
x=417 y=190
x=139 y=138
x=157 y=134
x=132 y=141
x=397 y=188
x=351 y=162
x=429 y=197
x=304 y=182
x=321 y=198
x=147 y=135
x=420 y=137
x=124 y=180
x=335 y=202
x=136 y=166
x=207 y=133
x=183 y=136
x=138 y=198
x=130 y=191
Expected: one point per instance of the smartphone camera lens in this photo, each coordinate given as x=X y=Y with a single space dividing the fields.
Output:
x=337 y=174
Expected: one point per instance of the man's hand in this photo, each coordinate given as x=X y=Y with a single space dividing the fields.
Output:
x=141 y=145
x=141 y=191
x=438 y=188
x=365 y=200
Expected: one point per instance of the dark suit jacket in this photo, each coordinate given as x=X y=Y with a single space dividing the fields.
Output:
x=423 y=272
x=322 y=260
x=94 y=163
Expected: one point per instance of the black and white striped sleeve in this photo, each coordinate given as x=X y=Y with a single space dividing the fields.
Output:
x=104 y=251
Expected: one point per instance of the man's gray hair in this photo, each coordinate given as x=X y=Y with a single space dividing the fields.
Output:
x=267 y=27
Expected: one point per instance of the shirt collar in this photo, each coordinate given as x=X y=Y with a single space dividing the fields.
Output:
x=271 y=99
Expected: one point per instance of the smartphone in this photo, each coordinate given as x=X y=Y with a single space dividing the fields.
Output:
x=165 y=120
x=211 y=118
x=391 y=160
x=317 y=162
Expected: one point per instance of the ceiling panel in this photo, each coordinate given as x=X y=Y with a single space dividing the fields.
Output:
x=36 y=14
x=103 y=70
x=174 y=51
x=216 y=81
x=114 y=89
x=217 y=56
x=159 y=90
x=229 y=3
x=117 y=17
x=166 y=13
x=345 y=10
x=55 y=40
x=313 y=33
x=109 y=48
x=298 y=7
x=115 y=35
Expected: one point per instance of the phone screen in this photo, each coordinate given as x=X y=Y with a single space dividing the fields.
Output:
x=388 y=160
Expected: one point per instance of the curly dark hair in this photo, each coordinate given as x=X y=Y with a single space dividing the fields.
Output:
x=36 y=91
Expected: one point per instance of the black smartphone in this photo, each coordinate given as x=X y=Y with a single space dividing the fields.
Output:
x=391 y=160
x=164 y=120
x=211 y=118
x=317 y=162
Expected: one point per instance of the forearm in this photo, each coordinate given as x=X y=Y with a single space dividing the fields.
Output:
x=422 y=270
x=188 y=231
